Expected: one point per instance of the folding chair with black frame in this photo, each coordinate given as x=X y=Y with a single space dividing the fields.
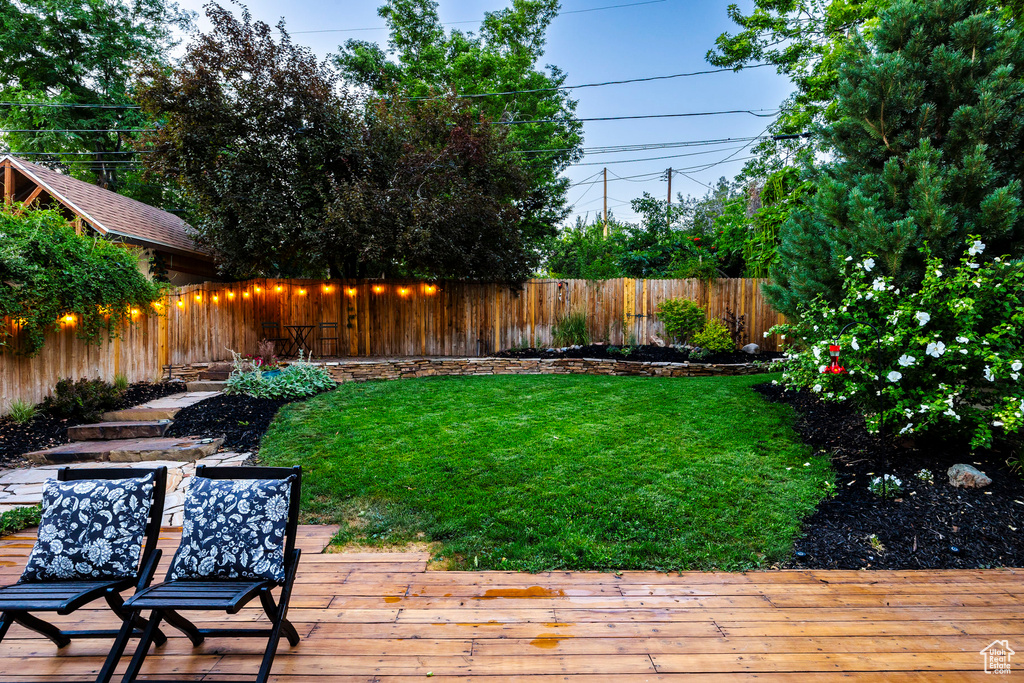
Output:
x=17 y=601
x=167 y=599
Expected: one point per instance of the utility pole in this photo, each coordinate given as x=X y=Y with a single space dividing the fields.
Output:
x=606 y=201
x=668 y=213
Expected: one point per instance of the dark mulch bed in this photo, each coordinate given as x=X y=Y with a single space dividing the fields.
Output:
x=931 y=526
x=241 y=420
x=46 y=431
x=648 y=352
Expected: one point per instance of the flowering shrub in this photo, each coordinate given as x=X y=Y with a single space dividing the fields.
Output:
x=886 y=486
x=949 y=356
x=298 y=380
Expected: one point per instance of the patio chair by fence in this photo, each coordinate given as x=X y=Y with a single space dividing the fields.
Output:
x=328 y=335
x=208 y=571
x=272 y=332
x=62 y=577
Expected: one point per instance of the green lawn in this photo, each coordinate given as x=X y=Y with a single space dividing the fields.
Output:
x=556 y=472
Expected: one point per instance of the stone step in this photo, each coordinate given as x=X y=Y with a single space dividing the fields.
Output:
x=158 y=409
x=127 y=450
x=214 y=376
x=132 y=429
x=206 y=386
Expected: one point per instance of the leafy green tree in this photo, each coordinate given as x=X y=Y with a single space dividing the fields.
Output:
x=81 y=52
x=50 y=272
x=581 y=251
x=424 y=61
x=929 y=124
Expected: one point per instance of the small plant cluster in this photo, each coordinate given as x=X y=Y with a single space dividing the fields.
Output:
x=886 y=486
x=686 y=322
x=21 y=411
x=19 y=518
x=298 y=380
x=84 y=399
x=571 y=330
x=950 y=359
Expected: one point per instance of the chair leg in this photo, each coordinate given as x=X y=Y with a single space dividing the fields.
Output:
x=132 y=672
x=274 y=615
x=5 y=624
x=185 y=626
x=117 y=649
x=116 y=603
x=42 y=627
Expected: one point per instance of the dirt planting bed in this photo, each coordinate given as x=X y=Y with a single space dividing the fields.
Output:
x=930 y=525
x=649 y=353
x=241 y=420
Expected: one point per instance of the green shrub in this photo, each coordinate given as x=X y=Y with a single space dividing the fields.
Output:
x=19 y=518
x=50 y=272
x=120 y=383
x=949 y=362
x=21 y=411
x=681 y=318
x=714 y=338
x=571 y=330
x=84 y=399
x=298 y=380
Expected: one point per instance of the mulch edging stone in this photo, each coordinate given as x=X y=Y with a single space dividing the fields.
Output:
x=933 y=525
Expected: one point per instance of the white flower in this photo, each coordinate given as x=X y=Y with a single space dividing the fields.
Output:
x=975 y=266
x=938 y=273
x=775 y=382
x=952 y=414
x=922 y=318
x=821 y=369
x=895 y=376
x=923 y=409
x=849 y=258
x=988 y=374
x=963 y=340
x=765 y=335
x=868 y=264
x=935 y=349
x=906 y=361
x=817 y=353
x=1014 y=375
x=908 y=428
x=997 y=423
x=817 y=388
x=854 y=345
x=1016 y=366
x=976 y=248
x=963 y=351
x=878 y=285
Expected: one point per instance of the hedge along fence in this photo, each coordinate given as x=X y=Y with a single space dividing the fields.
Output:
x=375 y=318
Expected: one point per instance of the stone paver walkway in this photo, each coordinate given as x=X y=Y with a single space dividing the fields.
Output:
x=23 y=487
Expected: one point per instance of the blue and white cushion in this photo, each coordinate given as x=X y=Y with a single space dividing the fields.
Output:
x=91 y=529
x=234 y=529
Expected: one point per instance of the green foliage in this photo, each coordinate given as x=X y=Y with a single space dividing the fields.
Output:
x=539 y=473
x=68 y=51
x=21 y=411
x=385 y=187
x=581 y=251
x=120 y=383
x=571 y=329
x=885 y=486
x=681 y=317
x=714 y=337
x=928 y=122
x=19 y=518
x=950 y=358
x=49 y=272
x=82 y=400
x=424 y=60
x=299 y=379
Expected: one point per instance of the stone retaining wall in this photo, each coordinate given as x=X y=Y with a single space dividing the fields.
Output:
x=365 y=370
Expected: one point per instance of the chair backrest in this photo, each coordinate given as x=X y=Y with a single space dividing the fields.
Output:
x=267 y=473
x=156 y=510
x=272 y=327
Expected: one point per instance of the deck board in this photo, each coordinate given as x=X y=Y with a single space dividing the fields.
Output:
x=382 y=618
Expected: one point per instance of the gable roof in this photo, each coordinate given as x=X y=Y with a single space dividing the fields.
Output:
x=111 y=213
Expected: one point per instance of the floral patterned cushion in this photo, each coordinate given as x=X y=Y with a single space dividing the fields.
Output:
x=91 y=529
x=234 y=529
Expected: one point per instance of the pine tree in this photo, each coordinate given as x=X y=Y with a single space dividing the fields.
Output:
x=927 y=149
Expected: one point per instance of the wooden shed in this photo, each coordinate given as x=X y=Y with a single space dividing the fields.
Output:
x=165 y=239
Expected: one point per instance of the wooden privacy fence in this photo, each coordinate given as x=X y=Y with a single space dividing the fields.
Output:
x=373 y=318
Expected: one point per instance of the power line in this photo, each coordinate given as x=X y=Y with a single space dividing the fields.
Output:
x=69 y=106
x=635 y=161
x=474 y=21
x=644 y=79
x=79 y=130
x=53 y=154
x=752 y=112
x=640 y=147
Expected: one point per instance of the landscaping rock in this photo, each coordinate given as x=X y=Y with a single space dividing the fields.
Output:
x=967 y=476
x=751 y=349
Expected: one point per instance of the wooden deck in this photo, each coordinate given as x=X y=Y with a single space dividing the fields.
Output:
x=383 y=618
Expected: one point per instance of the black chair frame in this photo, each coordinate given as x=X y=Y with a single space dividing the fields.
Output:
x=231 y=595
x=17 y=601
x=328 y=327
x=276 y=336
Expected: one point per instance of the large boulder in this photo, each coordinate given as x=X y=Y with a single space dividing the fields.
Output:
x=751 y=349
x=966 y=476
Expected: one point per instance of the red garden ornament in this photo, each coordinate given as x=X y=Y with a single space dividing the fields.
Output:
x=834 y=368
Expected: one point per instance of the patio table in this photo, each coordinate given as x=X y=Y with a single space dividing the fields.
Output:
x=298 y=338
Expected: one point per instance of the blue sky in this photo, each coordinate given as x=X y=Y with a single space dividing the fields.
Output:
x=656 y=38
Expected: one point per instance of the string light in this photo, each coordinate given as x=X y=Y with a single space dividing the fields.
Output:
x=231 y=295
x=327 y=288
x=278 y=288
x=257 y=289
x=378 y=289
x=216 y=298
x=181 y=304
x=430 y=289
x=351 y=291
x=302 y=292
x=157 y=305
x=245 y=295
x=69 y=318
x=402 y=291
x=199 y=297
x=135 y=312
